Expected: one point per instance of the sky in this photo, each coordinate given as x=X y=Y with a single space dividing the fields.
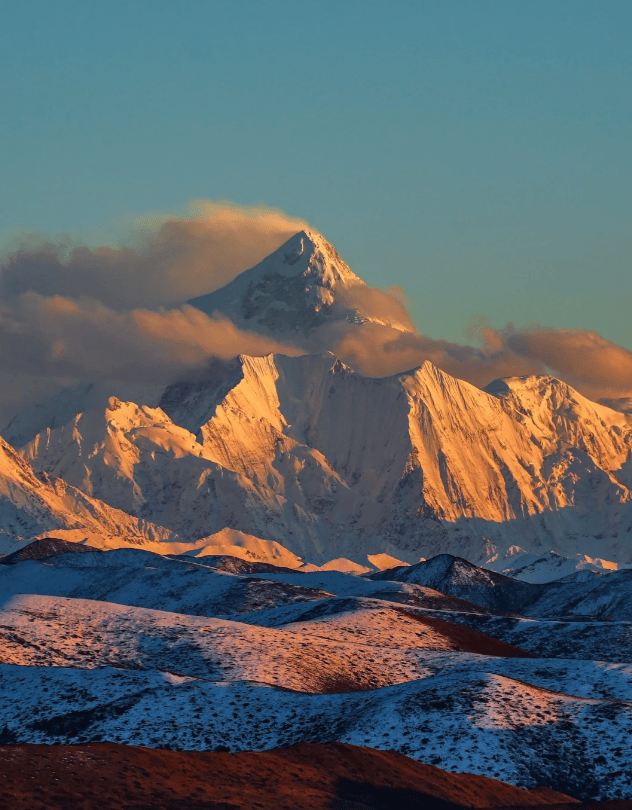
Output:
x=476 y=154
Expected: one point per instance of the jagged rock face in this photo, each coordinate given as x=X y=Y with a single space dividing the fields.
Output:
x=327 y=462
x=292 y=292
x=558 y=415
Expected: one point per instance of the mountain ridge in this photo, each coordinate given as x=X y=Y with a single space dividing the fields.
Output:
x=307 y=452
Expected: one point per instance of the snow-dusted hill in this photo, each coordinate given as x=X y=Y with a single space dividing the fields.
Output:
x=131 y=646
x=146 y=580
x=469 y=720
x=462 y=579
x=51 y=631
x=601 y=596
x=45 y=547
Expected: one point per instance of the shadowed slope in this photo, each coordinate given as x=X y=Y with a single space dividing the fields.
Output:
x=44 y=548
x=460 y=578
x=312 y=777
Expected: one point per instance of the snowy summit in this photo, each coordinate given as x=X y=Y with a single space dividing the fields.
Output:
x=293 y=291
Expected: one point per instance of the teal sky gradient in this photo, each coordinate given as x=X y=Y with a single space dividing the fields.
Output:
x=475 y=153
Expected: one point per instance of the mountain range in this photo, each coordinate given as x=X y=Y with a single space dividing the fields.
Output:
x=304 y=460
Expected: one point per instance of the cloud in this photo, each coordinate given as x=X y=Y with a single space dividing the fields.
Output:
x=583 y=358
x=375 y=303
x=380 y=351
x=587 y=361
x=84 y=339
x=69 y=312
x=167 y=262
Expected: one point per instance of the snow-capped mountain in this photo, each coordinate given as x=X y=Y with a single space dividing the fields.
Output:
x=59 y=409
x=308 y=453
x=293 y=291
x=32 y=504
x=561 y=418
x=549 y=566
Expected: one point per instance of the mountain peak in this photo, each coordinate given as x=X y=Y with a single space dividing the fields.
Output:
x=538 y=391
x=505 y=386
x=301 y=286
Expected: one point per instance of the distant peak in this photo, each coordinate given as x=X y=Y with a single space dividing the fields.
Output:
x=505 y=386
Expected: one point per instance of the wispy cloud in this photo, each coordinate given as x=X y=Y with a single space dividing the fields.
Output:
x=167 y=263
x=57 y=336
x=587 y=361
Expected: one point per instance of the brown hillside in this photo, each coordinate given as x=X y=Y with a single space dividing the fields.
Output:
x=106 y=776
x=469 y=640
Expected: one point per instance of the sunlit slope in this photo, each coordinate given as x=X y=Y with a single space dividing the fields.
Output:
x=32 y=504
x=308 y=453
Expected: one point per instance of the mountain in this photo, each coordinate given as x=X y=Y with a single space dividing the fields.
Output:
x=608 y=596
x=297 y=289
x=44 y=548
x=305 y=457
x=57 y=410
x=548 y=567
x=306 y=452
x=575 y=597
x=33 y=504
x=460 y=578
x=560 y=418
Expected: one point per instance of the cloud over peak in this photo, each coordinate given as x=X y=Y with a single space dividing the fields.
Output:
x=171 y=260
x=75 y=312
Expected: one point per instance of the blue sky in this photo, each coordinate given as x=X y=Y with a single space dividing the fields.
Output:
x=475 y=153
